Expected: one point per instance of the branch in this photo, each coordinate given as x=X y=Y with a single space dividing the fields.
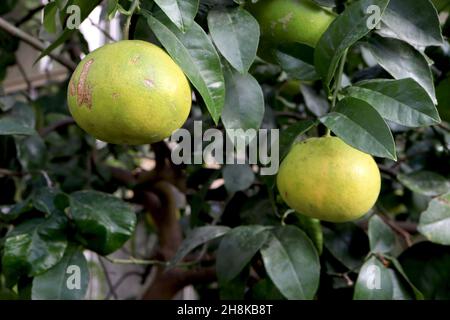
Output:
x=35 y=43
x=56 y=126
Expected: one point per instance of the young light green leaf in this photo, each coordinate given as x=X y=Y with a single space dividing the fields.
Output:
x=402 y=61
x=237 y=248
x=425 y=182
x=197 y=237
x=180 y=12
x=67 y=280
x=402 y=101
x=435 y=221
x=417 y=29
x=360 y=126
x=198 y=58
x=292 y=262
x=349 y=27
x=381 y=237
x=236 y=34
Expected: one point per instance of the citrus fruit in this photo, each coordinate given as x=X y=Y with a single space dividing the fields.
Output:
x=129 y=92
x=443 y=97
x=285 y=21
x=325 y=178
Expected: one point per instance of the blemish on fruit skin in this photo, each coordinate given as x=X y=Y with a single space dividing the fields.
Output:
x=72 y=88
x=115 y=95
x=84 y=90
x=135 y=59
x=149 y=83
x=285 y=20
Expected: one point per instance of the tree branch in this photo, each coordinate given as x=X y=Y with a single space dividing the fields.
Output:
x=35 y=43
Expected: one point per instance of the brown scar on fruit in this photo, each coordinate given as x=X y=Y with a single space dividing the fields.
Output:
x=149 y=83
x=115 y=95
x=84 y=90
x=135 y=59
x=72 y=88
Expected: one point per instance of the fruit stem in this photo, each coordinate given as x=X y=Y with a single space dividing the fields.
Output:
x=126 y=28
x=337 y=85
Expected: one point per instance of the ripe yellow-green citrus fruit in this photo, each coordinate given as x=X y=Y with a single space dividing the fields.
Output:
x=443 y=97
x=325 y=178
x=129 y=92
x=285 y=21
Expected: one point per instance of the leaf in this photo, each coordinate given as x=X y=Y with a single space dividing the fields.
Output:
x=197 y=237
x=265 y=290
x=422 y=29
x=396 y=264
x=344 y=31
x=180 y=12
x=244 y=103
x=314 y=102
x=236 y=34
x=425 y=182
x=381 y=237
x=297 y=60
x=347 y=243
x=237 y=248
x=34 y=246
x=50 y=16
x=68 y=280
x=428 y=267
x=197 y=57
x=292 y=263
x=50 y=200
x=291 y=133
x=360 y=126
x=402 y=101
x=31 y=152
x=103 y=222
x=238 y=177
x=374 y=282
x=10 y=126
x=86 y=8
x=435 y=221
x=403 y=61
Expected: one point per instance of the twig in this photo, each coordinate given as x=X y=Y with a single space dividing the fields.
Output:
x=105 y=33
x=7 y=172
x=55 y=126
x=122 y=279
x=108 y=279
x=29 y=15
x=35 y=43
x=126 y=28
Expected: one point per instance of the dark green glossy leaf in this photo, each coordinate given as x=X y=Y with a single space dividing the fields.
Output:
x=50 y=200
x=381 y=237
x=425 y=182
x=292 y=262
x=198 y=58
x=103 y=222
x=236 y=34
x=402 y=61
x=427 y=265
x=10 y=126
x=238 y=177
x=435 y=221
x=344 y=31
x=402 y=276
x=315 y=103
x=34 y=246
x=312 y=228
x=244 y=102
x=402 y=101
x=237 y=248
x=403 y=20
x=298 y=61
x=360 y=126
x=31 y=152
x=180 y=12
x=197 y=237
x=265 y=290
x=68 y=280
